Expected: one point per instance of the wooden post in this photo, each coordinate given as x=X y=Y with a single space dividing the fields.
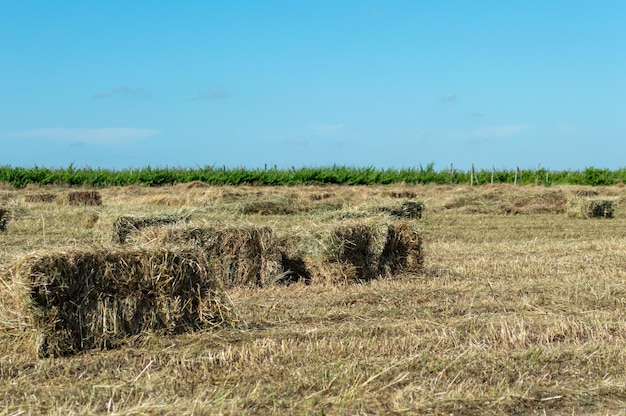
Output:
x=515 y=180
x=451 y=173
x=493 y=171
x=472 y=176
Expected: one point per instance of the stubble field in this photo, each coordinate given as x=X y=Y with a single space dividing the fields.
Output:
x=520 y=308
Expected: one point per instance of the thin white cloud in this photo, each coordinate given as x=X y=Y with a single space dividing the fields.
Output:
x=448 y=98
x=327 y=128
x=101 y=94
x=97 y=136
x=499 y=131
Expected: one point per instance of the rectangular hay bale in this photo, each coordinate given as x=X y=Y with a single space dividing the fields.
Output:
x=83 y=299
x=84 y=198
x=239 y=255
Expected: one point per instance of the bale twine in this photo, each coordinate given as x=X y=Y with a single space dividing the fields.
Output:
x=71 y=301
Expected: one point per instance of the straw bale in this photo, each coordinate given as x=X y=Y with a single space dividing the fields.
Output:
x=599 y=208
x=125 y=225
x=243 y=255
x=408 y=209
x=268 y=207
x=4 y=218
x=403 y=250
x=41 y=197
x=591 y=208
x=83 y=299
x=83 y=198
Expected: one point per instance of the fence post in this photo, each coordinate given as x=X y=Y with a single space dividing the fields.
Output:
x=472 y=176
x=451 y=173
x=493 y=171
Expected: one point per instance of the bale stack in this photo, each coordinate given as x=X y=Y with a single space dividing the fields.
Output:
x=408 y=209
x=84 y=198
x=243 y=255
x=82 y=299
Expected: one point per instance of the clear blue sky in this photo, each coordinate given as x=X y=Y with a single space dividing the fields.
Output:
x=313 y=83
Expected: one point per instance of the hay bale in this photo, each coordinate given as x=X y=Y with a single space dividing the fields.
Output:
x=599 y=208
x=4 y=218
x=403 y=250
x=267 y=207
x=239 y=255
x=125 y=225
x=591 y=208
x=84 y=198
x=42 y=197
x=83 y=299
x=408 y=209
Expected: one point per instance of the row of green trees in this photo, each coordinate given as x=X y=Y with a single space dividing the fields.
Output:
x=149 y=176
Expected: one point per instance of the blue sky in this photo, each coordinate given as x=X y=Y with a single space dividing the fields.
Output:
x=389 y=84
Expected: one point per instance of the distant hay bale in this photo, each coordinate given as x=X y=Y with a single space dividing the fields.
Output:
x=403 y=194
x=267 y=207
x=239 y=255
x=591 y=208
x=599 y=209
x=125 y=225
x=4 y=218
x=42 y=197
x=83 y=299
x=84 y=198
x=408 y=209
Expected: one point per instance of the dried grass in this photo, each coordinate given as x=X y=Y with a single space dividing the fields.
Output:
x=64 y=302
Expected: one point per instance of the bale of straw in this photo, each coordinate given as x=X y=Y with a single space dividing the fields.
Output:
x=591 y=208
x=346 y=252
x=239 y=255
x=84 y=198
x=403 y=250
x=42 y=197
x=408 y=209
x=125 y=225
x=4 y=218
x=599 y=208
x=83 y=299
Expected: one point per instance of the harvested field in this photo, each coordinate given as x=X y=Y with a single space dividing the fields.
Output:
x=496 y=301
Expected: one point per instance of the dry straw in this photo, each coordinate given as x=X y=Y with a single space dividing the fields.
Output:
x=84 y=198
x=68 y=301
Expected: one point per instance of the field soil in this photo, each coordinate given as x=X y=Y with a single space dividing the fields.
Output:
x=520 y=308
